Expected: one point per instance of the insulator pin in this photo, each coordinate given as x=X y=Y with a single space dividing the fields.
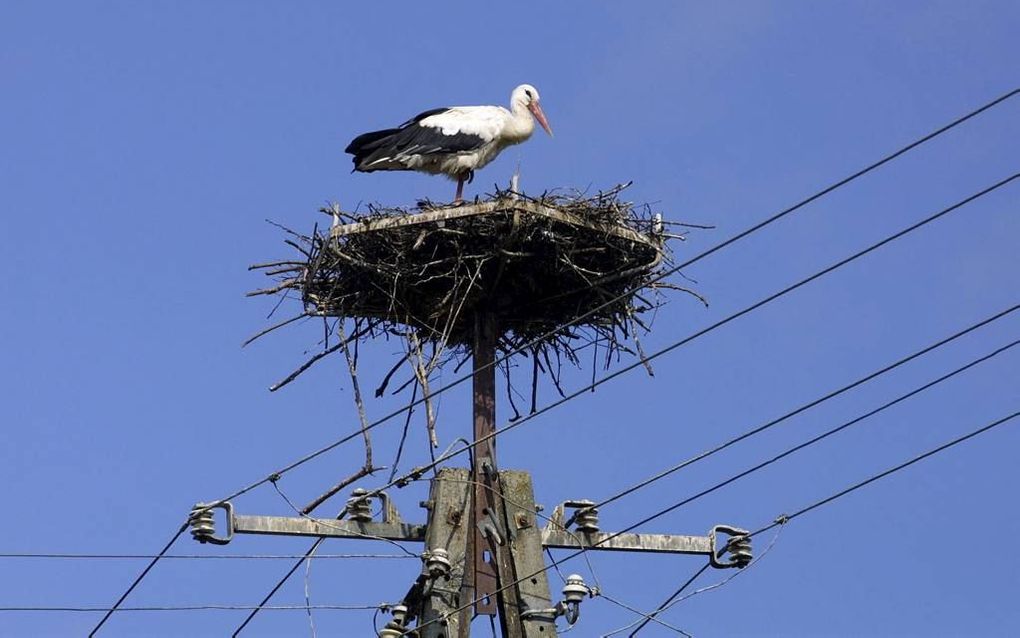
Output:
x=395 y=628
x=586 y=515
x=359 y=508
x=587 y=520
x=737 y=547
x=437 y=563
x=740 y=551
x=203 y=524
x=202 y=521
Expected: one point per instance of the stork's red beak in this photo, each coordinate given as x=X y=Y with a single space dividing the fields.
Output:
x=536 y=110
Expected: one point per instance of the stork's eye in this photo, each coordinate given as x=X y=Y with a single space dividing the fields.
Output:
x=528 y=93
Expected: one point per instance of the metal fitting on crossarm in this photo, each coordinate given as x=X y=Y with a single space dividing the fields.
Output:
x=203 y=522
x=359 y=507
x=737 y=546
x=585 y=516
x=395 y=627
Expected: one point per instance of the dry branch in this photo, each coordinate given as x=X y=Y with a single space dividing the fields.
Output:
x=540 y=264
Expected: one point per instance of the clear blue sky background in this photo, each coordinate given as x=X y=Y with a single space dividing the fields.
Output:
x=142 y=146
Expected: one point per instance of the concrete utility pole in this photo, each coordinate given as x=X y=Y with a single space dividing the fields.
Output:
x=483 y=540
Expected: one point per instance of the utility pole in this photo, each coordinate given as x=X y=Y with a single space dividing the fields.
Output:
x=483 y=540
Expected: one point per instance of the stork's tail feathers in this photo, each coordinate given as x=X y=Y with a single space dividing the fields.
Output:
x=364 y=146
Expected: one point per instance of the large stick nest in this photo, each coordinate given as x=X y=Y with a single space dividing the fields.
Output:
x=535 y=265
x=559 y=272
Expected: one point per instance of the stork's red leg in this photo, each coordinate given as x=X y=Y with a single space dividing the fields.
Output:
x=459 y=197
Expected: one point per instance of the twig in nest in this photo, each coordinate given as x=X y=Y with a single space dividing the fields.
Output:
x=510 y=390
x=644 y=357
x=422 y=374
x=403 y=434
x=286 y=283
x=534 y=380
x=262 y=333
x=668 y=286
x=379 y=391
x=325 y=353
x=352 y=367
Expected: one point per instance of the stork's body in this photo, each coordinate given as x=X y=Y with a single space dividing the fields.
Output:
x=452 y=141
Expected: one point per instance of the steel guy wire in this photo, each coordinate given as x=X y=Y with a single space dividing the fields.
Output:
x=756 y=227
x=770 y=461
x=806 y=406
x=417 y=472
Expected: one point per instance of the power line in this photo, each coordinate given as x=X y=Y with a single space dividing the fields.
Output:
x=272 y=592
x=110 y=610
x=782 y=520
x=734 y=239
x=722 y=322
x=824 y=435
x=808 y=443
x=654 y=615
x=774 y=459
x=760 y=225
x=78 y=556
x=646 y=617
x=785 y=518
x=315 y=545
x=674 y=599
x=417 y=472
x=138 y=579
x=869 y=377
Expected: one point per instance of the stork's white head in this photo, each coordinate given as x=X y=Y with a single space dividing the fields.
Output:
x=526 y=96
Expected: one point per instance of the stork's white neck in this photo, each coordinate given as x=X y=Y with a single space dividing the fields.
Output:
x=521 y=124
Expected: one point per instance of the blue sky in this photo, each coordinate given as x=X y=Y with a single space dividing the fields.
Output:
x=142 y=146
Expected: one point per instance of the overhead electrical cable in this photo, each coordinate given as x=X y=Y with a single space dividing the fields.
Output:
x=786 y=518
x=735 y=238
x=674 y=506
x=419 y=471
x=811 y=404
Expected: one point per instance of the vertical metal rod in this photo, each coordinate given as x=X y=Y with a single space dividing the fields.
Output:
x=484 y=510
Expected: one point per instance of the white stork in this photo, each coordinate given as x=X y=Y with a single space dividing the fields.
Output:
x=452 y=141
